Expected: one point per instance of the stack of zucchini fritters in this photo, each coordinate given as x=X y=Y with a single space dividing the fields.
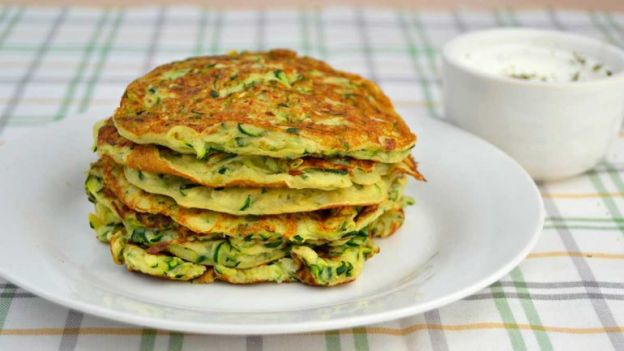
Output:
x=250 y=167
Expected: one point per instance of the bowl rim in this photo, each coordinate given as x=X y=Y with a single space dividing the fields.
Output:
x=451 y=59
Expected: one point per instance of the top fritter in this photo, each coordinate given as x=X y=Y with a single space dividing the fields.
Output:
x=270 y=103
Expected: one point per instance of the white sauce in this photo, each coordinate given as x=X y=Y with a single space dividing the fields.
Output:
x=536 y=63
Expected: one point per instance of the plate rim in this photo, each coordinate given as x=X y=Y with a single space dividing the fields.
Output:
x=258 y=328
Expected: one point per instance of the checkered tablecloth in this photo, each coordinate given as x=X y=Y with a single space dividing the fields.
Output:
x=567 y=295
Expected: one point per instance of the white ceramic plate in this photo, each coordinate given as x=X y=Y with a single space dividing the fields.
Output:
x=476 y=218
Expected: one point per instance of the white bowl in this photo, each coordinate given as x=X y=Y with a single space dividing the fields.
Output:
x=553 y=129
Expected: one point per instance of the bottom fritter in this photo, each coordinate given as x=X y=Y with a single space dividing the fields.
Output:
x=312 y=266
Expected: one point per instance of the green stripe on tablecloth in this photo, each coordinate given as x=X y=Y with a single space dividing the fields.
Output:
x=430 y=57
x=530 y=311
x=360 y=339
x=8 y=293
x=148 y=339
x=320 y=34
x=608 y=201
x=201 y=32
x=579 y=227
x=366 y=46
x=553 y=16
x=515 y=336
x=585 y=219
x=413 y=53
x=17 y=16
x=458 y=20
x=254 y=343
x=604 y=170
x=4 y=12
x=597 y=23
x=102 y=57
x=215 y=45
x=87 y=52
x=261 y=30
x=332 y=340
x=26 y=77
x=305 y=31
x=498 y=18
x=176 y=341
x=424 y=39
x=155 y=38
x=614 y=24
x=512 y=18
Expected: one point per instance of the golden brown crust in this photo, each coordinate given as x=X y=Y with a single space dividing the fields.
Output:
x=206 y=278
x=412 y=169
x=199 y=93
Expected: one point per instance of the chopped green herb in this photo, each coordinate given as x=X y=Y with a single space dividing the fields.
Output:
x=246 y=204
x=222 y=170
x=579 y=58
x=273 y=244
x=523 y=76
x=185 y=187
x=597 y=67
x=214 y=93
x=292 y=130
x=576 y=76
x=298 y=238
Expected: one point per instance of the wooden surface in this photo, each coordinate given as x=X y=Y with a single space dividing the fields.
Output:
x=428 y=4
